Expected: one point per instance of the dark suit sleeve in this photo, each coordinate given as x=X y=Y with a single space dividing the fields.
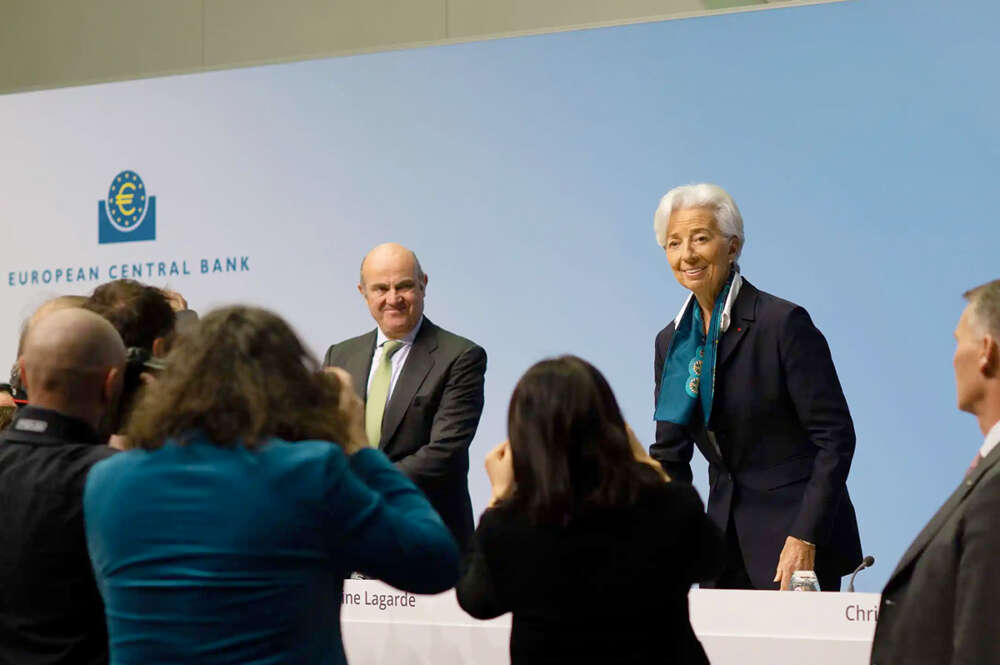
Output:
x=822 y=410
x=977 y=587
x=455 y=421
x=477 y=590
x=673 y=446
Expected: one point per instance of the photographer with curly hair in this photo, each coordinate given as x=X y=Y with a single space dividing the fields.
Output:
x=250 y=491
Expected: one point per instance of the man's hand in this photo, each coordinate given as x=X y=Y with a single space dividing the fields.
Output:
x=640 y=454
x=352 y=411
x=795 y=555
x=500 y=469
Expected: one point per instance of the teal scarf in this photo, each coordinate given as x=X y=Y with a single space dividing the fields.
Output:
x=689 y=370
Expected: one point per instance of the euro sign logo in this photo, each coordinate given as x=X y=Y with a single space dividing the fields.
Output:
x=129 y=213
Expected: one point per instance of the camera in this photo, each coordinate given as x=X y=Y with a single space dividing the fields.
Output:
x=138 y=361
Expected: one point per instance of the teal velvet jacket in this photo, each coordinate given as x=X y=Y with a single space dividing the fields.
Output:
x=207 y=554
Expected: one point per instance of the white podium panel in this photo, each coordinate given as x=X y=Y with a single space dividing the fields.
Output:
x=771 y=627
x=382 y=625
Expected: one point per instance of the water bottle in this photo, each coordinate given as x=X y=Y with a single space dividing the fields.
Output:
x=804 y=580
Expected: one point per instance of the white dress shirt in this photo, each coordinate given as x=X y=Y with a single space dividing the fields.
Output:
x=398 y=359
x=992 y=439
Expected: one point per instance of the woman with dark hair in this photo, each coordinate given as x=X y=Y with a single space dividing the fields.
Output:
x=586 y=540
x=224 y=535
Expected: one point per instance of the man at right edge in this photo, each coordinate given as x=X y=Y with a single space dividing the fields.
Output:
x=942 y=603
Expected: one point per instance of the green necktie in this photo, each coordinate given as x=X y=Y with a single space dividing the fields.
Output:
x=378 y=392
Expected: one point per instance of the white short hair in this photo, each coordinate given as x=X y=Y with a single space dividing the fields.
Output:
x=703 y=195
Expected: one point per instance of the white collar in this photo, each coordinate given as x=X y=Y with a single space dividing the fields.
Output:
x=992 y=439
x=734 y=291
x=381 y=338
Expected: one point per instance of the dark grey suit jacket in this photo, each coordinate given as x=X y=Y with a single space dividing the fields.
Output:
x=431 y=416
x=942 y=603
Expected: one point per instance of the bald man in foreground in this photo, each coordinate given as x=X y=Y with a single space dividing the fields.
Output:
x=71 y=363
x=422 y=385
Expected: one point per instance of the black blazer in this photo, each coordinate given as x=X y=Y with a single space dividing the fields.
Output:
x=783 y=438
x=942 y=603
x=612 y=587
x=431 y=416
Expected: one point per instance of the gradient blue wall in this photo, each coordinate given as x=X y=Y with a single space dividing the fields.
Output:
x=859 y=139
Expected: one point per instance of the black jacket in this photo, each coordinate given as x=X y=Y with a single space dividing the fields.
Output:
x=50 y=609
x=612 y=587
x=431 y=416
x=784 y=438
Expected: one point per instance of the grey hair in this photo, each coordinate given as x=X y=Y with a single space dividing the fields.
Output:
x=418 y=272
x=702 y=195
x=984 y=301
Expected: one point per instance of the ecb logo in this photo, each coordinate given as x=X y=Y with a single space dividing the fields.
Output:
x=128 y=214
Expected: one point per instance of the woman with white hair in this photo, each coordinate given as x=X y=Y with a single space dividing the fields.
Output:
x=748 y=378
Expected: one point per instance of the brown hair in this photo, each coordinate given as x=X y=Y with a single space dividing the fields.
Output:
x=139 y=313
x=6 y=416
x=239 y=376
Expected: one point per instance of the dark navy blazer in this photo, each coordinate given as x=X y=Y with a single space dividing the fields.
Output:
x=783 y=438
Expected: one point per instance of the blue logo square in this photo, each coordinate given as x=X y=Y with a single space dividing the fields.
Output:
x=127 y=215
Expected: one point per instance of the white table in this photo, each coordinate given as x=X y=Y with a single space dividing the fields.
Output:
x=735 y=627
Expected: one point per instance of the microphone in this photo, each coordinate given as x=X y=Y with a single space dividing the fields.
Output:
x=868 y=561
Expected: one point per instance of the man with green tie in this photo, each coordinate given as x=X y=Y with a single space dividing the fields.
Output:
x=422 y=385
